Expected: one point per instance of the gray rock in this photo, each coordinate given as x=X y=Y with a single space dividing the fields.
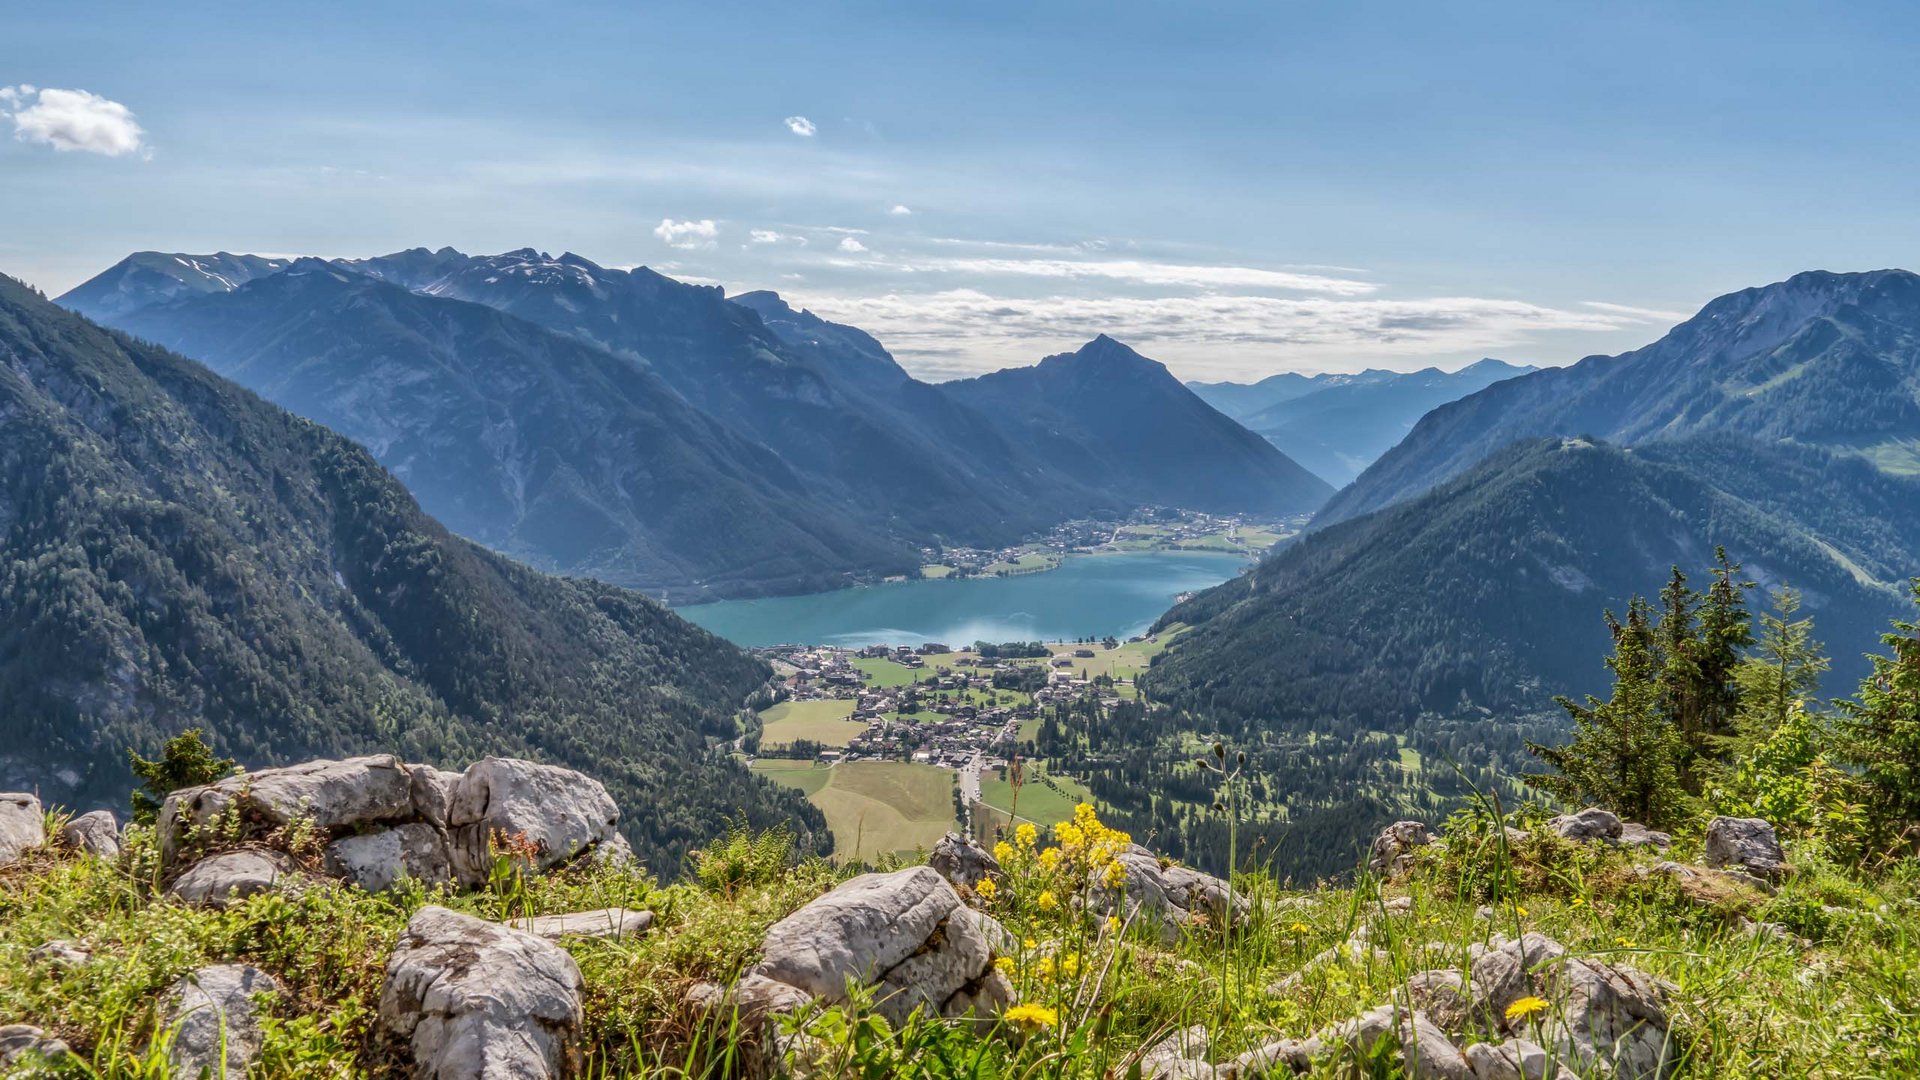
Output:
x=600 y=923
x=210 y=1018
x=433 y=794
x=1515 y=1059
x=1179 y=1055
x=1442 y=996
x=23 y=826
x=1393 y=849
x=475 y=1000
x=230 y=877
x=1165 y=896
x=1635 y=835
x=1425 y=1051
x=24 y=1044
x=380 y=860
x=332 y=795
x=962 y=861
x=905 y=934
x=1593 y=823
x=752 y=1007
x=1294 y=1054
x=1747 y=843
x=61 y=953
x=1601 y=1017
x=562 y=813
x=1708 y=876
x=95 y=833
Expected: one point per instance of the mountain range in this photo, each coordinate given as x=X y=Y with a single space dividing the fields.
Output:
x=773 y=451
x=182 y=553
x=1336 y=425
x=1821 y=359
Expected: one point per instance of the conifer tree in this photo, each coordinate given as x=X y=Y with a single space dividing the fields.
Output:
x=1625 y=754
x=1881 y=729
x=1782 y=671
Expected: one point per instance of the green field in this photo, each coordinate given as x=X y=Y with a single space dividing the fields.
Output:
x=875 y=807
x=808 y=776
x=883 y=672
x=936 y=570
x=1024 y=564
x=824 y=722
x=1039 y=803
x=1122 y=663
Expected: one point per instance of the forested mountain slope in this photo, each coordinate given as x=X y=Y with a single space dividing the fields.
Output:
x=1822 y=359
x=540 y=446
x=1482 y=597
x=1105 y=413
x=180 y=553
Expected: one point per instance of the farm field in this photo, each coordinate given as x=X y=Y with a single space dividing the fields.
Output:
x=808 y=776
x=1122 y=663
x=824 y=722
x=1044 y=798
x=875 y=807
x=883 y=672
x=1024 y=564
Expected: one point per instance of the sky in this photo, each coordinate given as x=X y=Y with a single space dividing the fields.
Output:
x=1235 y=189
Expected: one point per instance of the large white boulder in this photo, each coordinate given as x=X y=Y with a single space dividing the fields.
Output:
x=560 y=813
x=23 y=825
x=962 y=861
x=378 y=861
x=1600 y=1017
x=331 y=795
x=907 y=935
x=474 y=1000
x=211 y=1020
x=1745 y=843
x=96 y=833
x=230 y=877
x=1169 y=897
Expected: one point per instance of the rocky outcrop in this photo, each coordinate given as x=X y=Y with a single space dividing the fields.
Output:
x=474 y=1000
x=1604 y=826
x=963 y=862
x=95 y=832
x=24 y=1045
x=230 y=877
x=23 y=826
x=1747 y=844
x=211 y=1021
x=1393 y=849
x=383 y=820
x=600 y=923
x=1169 y=897
x=1600 y=1017
x=1515 y=1059
x=906 y=935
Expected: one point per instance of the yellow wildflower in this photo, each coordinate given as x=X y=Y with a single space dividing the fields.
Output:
x=1299 y=928
x=1578 y=902
x=1046 y=967
x=1031 y=1015
x=1047 y=901
x=1520 y=911
x=1071 y=837
x=1030 y=944
x=1113 y=924
x=1050 y=859
x=1070 y=965
x=1525 y=1007
x=1114 y=876
x=1005 y=964
x=1025 y=835
x=1003 y=851
x=1625 y=943
x=986 y=890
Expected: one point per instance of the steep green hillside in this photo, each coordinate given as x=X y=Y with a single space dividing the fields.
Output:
x=178 y=553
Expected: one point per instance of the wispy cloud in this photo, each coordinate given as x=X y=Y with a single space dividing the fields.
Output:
x=72 y=120
x=1641 y=314
x=687 y=235
x=1139 y=272
x=801 y=126
x=851 y=246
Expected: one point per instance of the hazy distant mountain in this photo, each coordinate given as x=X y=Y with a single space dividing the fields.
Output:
x=529 y=441
x=1337 y=425
x=152 y=277
x=181 y=553
x=1486 y=592
x=1822 y=359
x=1109 y=415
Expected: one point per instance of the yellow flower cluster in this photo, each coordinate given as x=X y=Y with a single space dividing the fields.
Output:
x=986 y=889
x=1030 y=1015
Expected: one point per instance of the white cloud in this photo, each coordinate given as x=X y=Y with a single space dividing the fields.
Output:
x=72 y=120
x=765 y=236
x=687 y=235
x=801 y=126
x=851 y=246
x=900 y=210
x=1141 y=272
x=1652 y=315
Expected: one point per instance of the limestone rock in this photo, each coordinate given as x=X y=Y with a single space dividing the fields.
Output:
x=1178 y=1056
x=601 y=923
x=1167 y=896
x=752 y=1007
x=1442 y=996
x=23 y=826
x=61 y=953
x=333 y=795
x=962 y=861
x=229 y=877
x=1747 y=843
x=1635 y=835
x=1602 y=1017
x=24 y=1044
x=1425 y=1051
x=475 y=1000
x=1393 y=849
x=1515 y=1059
x=906 y=934
x=560 y=812
x=1593 y=823
x=378 y=861
x=95 y=833
x=210 y=1017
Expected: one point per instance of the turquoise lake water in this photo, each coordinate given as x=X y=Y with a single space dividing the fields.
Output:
x=1088 y=596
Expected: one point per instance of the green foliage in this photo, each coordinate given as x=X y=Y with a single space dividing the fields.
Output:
x=185 y=761
x=1881 y=733
x=743 y=859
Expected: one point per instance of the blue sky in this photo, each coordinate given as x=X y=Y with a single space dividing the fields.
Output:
x=1236 y=189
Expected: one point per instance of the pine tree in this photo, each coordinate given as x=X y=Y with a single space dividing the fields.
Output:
x=186 y=761
x=1881 y=729
x=1782 y=672
x=1625 y=754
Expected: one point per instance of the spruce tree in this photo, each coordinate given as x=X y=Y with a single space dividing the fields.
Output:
x=1881 y=729
x=1782 y=672
x=1625 y=754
